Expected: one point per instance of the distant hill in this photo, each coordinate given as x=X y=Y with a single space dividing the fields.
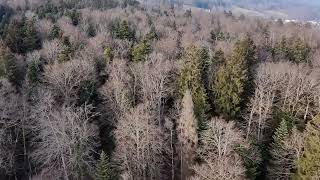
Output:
x=293 y=9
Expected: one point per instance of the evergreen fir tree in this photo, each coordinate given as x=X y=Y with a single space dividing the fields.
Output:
x=74 y=16
x=140 y=51
x=5 y=14
x=152 y=35
x=67 y=52
x=31 y=40
x=14 y=37
x=191 y=78
x=103 y=169
x=108 y=54
x=282 y=157
x=123 y=31
x=22 y=36
x=233 y=79
x=298 y=51
x=309 y=163
x=34 y=72
x=218 y=59
x=55 y=32
x=8 y=66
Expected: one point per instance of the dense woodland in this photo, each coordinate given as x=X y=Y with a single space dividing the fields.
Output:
x=106 y=90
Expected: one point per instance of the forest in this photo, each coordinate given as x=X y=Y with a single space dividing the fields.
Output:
x=115 y=90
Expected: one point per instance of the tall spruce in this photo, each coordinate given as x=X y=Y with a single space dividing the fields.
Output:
x=8 y=66
x=233 y=79
x=191 y=77
x=22 y=36
x=34 y=72
x=103 y=169
x=282 y=158
x=141 y=51
x=309 y=163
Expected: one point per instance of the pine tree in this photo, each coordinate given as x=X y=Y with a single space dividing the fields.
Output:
x=34 y=72
x=298 y=51
x=31 y=39
x=282 y=156
x=14 y=37
x=123 y=31
x=91 y=31
x=66 y=53
x=152 y=35
x=309 y=163
x=232 y=79
x=5 y=14
x=108 y=54
x=218 y=58
x=22 y=36
x=74 y=16
x=55 y=32
x=140 y=51
x=8 y=66
x=103 y=169
x=191 y=77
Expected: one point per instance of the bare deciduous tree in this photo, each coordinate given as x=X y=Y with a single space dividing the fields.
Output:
x=65 y=139
x=52 y=49
x=65 y=79
x=140 y=144
x=154 y=82
x=118 y=88
x=9 y=105
x=289 y=87
x=218 y=152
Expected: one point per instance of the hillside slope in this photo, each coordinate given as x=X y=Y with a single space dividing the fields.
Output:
x=293 y=9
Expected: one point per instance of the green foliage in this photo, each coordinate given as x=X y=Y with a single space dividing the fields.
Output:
x=290 y=120
x=251 y=159
x=140 y=51
x=108 y=54
x=218 y=36
x=218 y=59
x=122 y=30
x=232 y=78
x=195 y=60
x=126 y=3
x=49 y=10
x=103 y=169
x=91 y=31
x=34 y=72
x=31 y=38
x=55 y=32
x=152 y=35
x=294 y=49
x=104 y=4
x=88 y=92
x=65 y=55
x=281 y=134
x=67 y=52
x=5 y=15
x=298 y=51
x=308 y=165
x=74 y=16
x=281 y=156
x=8 y=66
x=22 y=36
